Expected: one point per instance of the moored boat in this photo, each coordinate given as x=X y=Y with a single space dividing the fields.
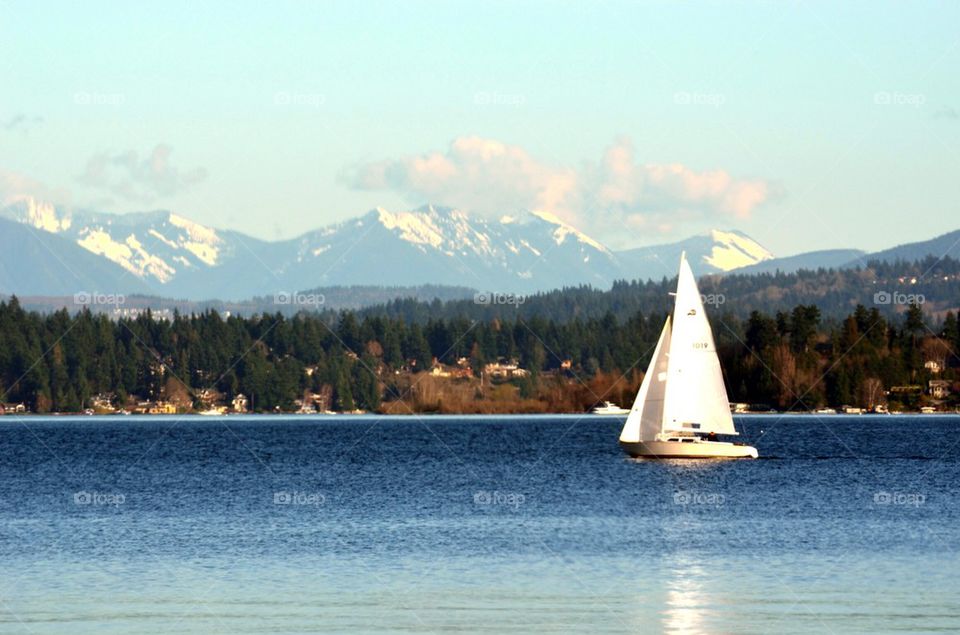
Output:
x=610 y=408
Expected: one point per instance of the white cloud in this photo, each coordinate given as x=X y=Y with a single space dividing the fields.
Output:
x=491 y=177
x=479 y=174
x=134 y=179
x=15 y=186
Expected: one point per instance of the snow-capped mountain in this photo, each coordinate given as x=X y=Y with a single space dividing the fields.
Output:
x=714 y=252
x=156 y=247
x=37 y=262
x=519 y=253
x=430 y=245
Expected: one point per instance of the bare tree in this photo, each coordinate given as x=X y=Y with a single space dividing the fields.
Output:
x=871 y=392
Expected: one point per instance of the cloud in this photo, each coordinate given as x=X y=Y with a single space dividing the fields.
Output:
x=134 y=179
x=15 y=186
x=491 y=177
x=21 y=121
x=480 y=174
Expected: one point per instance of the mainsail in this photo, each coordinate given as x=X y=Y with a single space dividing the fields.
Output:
x=683 y=388
x=695 y=398
x=646 y=417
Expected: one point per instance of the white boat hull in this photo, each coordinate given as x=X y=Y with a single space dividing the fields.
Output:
x=689 y=450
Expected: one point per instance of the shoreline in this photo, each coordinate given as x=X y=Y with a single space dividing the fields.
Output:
x=439 y=415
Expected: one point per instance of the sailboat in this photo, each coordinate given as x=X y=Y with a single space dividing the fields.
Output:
x=682 y=404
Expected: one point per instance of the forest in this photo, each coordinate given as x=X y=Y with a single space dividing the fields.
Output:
x=788 y=360
x=836 y=292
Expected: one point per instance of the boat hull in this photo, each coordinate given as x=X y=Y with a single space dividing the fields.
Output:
x=695 y=450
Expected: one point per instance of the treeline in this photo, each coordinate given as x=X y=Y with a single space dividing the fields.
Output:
x=836 y=292
x=58 y=361
x=791 y=362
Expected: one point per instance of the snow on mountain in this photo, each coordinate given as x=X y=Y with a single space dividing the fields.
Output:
x=714 y=252
x=154 y=246
x=519 y=253
x=732 y=250
x=129 y=254
x=39 y=214
x=563 y=230
x=36 y=262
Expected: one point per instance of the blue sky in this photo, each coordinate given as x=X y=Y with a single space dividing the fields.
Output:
x=806 y=125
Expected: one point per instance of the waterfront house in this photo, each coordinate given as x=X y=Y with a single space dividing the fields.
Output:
x=240 y=403
x=102 y=401
x=505 y=370
x=162 y=408
x=933 y=366
x=938 y=388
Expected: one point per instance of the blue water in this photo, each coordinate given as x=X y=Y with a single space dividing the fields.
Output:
x=473 y=524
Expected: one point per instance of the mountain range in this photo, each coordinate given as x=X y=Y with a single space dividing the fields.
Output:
x=161 y=253
x=51 y=251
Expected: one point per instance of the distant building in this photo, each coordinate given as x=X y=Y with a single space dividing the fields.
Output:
x=439 y=370
x=505 y=370
x=566 y=364
x=240 y=403
x=933 y=366
x=162 y=408
x=305 y=406
x=938 y=388
x=209 y=396
x=12 y=408
x=739 y=408
x=102 y=401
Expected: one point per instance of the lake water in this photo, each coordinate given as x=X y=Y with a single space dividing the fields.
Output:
x=474 y=524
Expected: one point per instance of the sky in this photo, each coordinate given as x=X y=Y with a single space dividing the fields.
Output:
x=806 y=125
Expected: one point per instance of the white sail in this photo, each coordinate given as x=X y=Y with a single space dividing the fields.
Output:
x=645 y=420
x=695 y=398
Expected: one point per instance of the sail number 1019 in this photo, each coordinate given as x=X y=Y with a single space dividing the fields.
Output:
x=701 y=346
